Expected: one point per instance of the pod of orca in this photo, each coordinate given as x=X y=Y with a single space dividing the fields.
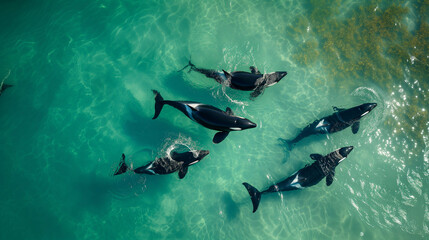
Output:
x=226 y=121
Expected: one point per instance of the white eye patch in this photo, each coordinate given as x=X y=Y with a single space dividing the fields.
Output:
x=193 y=162
x=365 y=113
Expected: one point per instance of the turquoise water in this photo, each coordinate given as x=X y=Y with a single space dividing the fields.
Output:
x=82 y=73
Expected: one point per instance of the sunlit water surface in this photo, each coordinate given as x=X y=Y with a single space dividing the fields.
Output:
x=83 y=72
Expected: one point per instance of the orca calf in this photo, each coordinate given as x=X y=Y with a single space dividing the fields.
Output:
x=4 y=86
x=206 y=115
x=254 y=81
x=324 y=166
x=341 y=119
x=166 y=165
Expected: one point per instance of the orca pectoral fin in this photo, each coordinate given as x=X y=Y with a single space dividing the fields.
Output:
x=219 y=137
x=330 y=178
x=316 y=157
x=229 y=111
x=122 y=168
x=338 y=109
x=254 y=70
x=183 y=171
x=258 y=91
x=355 y=127
x=255 y=195
x=159 y=103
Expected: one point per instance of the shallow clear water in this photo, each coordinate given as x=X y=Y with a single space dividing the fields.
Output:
x=83 y=73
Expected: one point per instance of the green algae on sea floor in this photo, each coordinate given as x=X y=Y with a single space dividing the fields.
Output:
x=309 y=52
x=372 y=43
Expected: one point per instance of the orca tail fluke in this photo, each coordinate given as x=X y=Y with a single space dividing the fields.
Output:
x=288 y=143
x=4 y=86
x=190 y=64
x=159 y=103
x=255 y=195
x=122 y=168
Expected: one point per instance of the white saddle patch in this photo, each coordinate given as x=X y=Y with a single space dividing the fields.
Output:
x=321 y=124
x=189 y=110
x=150 y=170
x=194 y=105
x=295 y=183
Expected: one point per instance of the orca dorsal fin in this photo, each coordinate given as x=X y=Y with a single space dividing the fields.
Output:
x=219 y=137
x=316 y=156
x=229 y=111
x=330 y=178
x=183 y=171
x=355 y=127
x=227 y=74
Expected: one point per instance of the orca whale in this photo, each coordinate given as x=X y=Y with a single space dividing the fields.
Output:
x=340 y=120
x=4 y=86
x=166 y=165
x=323 y=166
x=206 y=115
x=254 y=81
